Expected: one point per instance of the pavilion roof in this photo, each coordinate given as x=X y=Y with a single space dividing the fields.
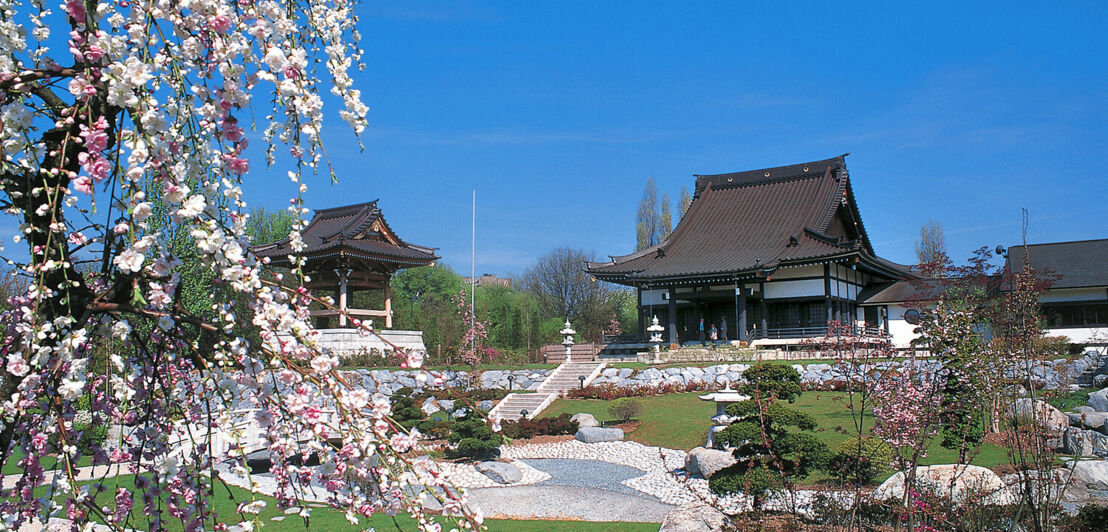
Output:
x=354 y=232
x=749 y=223
x=1076 y=264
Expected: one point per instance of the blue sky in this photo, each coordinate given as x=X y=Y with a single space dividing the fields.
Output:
x=558 y=112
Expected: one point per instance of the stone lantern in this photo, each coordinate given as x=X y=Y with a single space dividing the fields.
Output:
x=721 y=420
x=568 y=332
x=655 y=331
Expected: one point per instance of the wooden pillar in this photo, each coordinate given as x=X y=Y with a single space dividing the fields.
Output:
x=642 y=321
x=827 y=292
x=388 y=302
x=671 y=310
x=741 y=319
x=765 y=310
x=344 y=275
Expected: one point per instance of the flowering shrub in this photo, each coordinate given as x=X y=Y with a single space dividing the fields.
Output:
x=471 y=347
x=549 y=426
x=608 y=392
x=124 y=134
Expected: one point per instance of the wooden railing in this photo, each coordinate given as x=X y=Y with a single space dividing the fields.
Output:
x=787 y=333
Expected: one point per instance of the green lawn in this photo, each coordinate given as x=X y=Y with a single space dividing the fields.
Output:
x=11 y=466
x=324 y=518
x=681 y=421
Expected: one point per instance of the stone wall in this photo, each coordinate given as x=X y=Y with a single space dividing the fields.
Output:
x=1049 y=374
x=388 y=381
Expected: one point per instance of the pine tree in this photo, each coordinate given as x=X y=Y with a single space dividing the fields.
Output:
x=771 y=442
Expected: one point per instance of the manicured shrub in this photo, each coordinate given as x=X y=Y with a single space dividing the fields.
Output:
x=404 y=409
x=434 y=429
x=471 y=396
x=473 y=439
x=772 y=443
x=625 y=408
x=608 y=392
x=779 y=381
x=860 y=461
x=529 y=428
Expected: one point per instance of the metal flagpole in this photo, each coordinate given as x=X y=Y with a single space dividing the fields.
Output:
x=473 y=274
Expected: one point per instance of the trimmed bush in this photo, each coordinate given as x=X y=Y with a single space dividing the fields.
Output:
x=404 y=409
x=607 y=392
x=625 y=408
x=472 y=439
x=860 y=462
x=550 y=426
x=472 y=396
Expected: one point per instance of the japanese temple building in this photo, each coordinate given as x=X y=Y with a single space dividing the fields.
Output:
x=349 y=249
x=775 y=254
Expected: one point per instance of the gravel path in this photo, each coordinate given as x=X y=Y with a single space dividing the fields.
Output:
x=586 y=474
x=567 y=502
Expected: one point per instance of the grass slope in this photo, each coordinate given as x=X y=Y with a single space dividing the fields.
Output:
x=681 y=421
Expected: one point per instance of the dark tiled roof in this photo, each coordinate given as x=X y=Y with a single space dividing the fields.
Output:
x=1078 y=264
x=356 y=231
x=902 y=291
x=753 y=221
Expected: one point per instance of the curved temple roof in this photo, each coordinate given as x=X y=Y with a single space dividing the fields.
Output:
x=352 y=232
x=748 y=223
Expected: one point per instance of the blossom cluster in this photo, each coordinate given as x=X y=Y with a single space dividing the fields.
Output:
x=124 y=129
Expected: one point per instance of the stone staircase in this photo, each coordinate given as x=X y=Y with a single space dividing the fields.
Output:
x=564 y=378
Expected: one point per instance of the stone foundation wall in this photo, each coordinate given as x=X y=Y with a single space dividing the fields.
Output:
x=1049 y=374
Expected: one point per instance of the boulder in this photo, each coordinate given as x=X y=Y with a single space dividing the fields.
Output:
x=650 y=374
x=956 y=482
x=1084 y=409
x=1093 y=420
x=694 y=517
x=500 y=472
x=1089 y=481
x=1077 y=442
x=597 y=435
x=485 y=405
x=585 y=420
x=705 y=462
x=1042 y=411
x=1099 y=400
x=430 y=406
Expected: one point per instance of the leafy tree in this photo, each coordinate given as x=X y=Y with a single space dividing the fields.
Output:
x=665 y=220
x=684 y=201
x=266 y=226
x=422 y=301
x=772 y=444
x=931 y=244
x=564 y=290
x=648 y=224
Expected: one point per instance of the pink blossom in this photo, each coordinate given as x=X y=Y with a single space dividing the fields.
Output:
x=83 y=184
x=75 y=9
x=219 y=24
x=237 y=165
x=77 y=239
